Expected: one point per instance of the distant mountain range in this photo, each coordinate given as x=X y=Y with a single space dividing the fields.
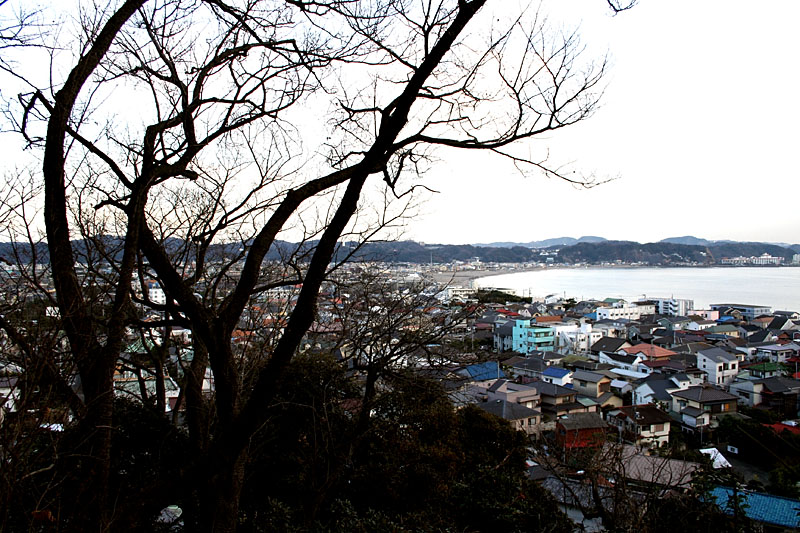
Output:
x=564 y=250
x=547 y=243
x=569 y=241
x=592 y=250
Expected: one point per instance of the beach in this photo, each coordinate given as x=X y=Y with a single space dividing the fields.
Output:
x=464 y=278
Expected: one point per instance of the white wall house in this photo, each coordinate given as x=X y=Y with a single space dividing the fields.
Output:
x=720 y=366
x=631 y=312
x=575 y=338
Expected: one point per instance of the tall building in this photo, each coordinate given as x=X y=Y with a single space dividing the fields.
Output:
x=672 y=306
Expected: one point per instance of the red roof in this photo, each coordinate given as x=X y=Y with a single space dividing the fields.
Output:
x=650 y=350
x=655 y=364
x=778 y=427
x=541 y=319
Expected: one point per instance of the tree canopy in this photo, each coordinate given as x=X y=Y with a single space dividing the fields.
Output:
x=167 y=127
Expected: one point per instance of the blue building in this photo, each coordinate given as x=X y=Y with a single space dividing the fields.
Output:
x=529 y=337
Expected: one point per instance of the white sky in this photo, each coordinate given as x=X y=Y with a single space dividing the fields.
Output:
x=699 y=121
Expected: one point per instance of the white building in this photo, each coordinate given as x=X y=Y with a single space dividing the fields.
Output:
x=575 y=338
x=673 y=306
x=720 y=366
x=631 y=312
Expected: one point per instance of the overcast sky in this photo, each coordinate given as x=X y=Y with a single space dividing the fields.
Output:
x=699 y=122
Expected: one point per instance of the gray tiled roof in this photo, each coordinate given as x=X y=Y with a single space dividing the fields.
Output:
x=780 y=384
x=704 y=393
x=582 y=421
x=508 y=410
x=718 y=355
x=584 y=375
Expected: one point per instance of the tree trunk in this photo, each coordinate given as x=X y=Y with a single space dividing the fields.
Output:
x=90 y=460
x=219 y=495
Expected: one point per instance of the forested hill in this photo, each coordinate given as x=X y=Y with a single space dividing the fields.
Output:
x=665 y=253
x=660 y=253
x=633 y=252
x=415 y=252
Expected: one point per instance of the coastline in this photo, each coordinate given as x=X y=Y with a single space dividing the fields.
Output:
x=464 y=278
x=461 y=277
x=776 y=287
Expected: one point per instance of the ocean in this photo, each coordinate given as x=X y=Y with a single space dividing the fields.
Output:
x=776 y=287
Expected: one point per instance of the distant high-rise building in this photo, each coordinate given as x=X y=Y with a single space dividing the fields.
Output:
x=672 y=306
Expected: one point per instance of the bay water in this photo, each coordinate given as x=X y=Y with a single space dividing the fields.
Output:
x=776 y=287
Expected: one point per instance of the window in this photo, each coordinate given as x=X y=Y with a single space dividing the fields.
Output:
x=655 y=428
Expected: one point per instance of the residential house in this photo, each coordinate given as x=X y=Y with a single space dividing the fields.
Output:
x=557 y=375
x=581 y=430
x=770 y=512
x=656 y=388
x=609 y=344
x=9 y=394
x=648 y=351
x=503 y=336
x=729 y=330
x=777 y=353
x=622 y=360
x=644 y=425
x=763 y=336
x=699 y=405
x=700 y=324
x=778 y=394
x=482 y=371
x=526 y=368
x=576 y=338
x=521 y=417
x=706 y=314
x=616 y=312
x=781 y=323
x=765 y=370
x=673 y=323
x=529 y=336
x=557 y=401
x=641 y=332
x=502 y=389
x=720 y=365
x=595 y=386
x=746 y=311
x=612 y=328
x=761 y=322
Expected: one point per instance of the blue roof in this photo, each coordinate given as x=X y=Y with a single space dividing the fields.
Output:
x=591 y=316
x=483 y=371
x=761 y=507
x=555 y=372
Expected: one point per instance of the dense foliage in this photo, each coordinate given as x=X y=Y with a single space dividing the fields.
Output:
x=416 y=465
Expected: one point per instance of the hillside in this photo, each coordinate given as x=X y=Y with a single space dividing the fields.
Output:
x=659 y=253
x=634 y=252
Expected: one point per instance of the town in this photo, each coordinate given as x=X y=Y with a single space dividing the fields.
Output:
x=236 y=292
x=655 y=392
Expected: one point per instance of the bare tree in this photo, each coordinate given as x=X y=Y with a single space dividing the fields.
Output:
x=210 y=157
